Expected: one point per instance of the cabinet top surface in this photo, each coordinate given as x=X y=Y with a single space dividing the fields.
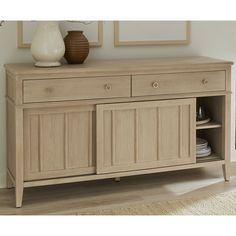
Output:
x=121 y=66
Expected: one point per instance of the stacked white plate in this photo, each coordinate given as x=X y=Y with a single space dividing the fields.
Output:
x=203 y=150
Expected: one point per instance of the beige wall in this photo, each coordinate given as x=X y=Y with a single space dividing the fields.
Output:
x=214 y=39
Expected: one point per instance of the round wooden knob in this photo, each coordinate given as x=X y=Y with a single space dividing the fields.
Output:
x=204 y=81
x=108 y=87
x=155 y=85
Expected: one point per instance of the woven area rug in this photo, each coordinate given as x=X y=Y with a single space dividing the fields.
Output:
x=220 y=204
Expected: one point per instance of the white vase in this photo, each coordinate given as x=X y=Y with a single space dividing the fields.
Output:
x=47 y=46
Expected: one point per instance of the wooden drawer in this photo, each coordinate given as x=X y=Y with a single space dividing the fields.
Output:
x=76 y=88
x=178 y=83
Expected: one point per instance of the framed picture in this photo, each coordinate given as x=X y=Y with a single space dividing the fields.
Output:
x=93 y=30
x=139 y=33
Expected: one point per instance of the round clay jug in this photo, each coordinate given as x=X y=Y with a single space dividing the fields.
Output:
x=77 y=47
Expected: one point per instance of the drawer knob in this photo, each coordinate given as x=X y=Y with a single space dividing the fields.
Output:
x=204 y=81
x=155 y=85
x=108 y=87
x=49 y=89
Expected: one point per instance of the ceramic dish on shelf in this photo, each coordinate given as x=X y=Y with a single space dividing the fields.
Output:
x=203 y=155
x=200 y=142
x=204 y=150
x=201 y=122
x=201 y=146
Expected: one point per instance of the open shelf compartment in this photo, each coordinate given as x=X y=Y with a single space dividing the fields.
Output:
x=213 y=130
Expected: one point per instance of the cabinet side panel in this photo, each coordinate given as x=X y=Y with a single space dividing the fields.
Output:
x=14 y=88
x=10 y=87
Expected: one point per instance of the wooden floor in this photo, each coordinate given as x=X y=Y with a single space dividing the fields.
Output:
x=68 y=198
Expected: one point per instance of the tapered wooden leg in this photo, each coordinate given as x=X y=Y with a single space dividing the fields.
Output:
x=19 y=175
x=117 y=179
x=19 y=195
x=226 y=171
x=226 y=133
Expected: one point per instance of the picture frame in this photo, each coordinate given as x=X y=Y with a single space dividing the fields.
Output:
x=132 y=33
x=23 y=39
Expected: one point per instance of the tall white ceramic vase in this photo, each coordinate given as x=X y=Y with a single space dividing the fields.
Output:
x=47 y=46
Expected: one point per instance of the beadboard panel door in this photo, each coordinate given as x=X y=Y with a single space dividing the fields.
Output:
x=141 y=135
x=59 y=142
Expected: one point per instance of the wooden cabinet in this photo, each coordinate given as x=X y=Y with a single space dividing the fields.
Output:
x=140 y=135
x=59 y=142
x=109 y=119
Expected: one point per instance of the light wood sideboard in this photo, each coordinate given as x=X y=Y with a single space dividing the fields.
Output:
x=116 y=118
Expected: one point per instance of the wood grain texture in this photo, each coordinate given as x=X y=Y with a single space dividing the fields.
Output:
x=181 y=82
x=56 y=135
x=35 y=183
x=15 y=156
x=19 y=156
x=226 y=134
x=59 y=143
x=209 y=125
x=119 y=67
x=11 y=87
x=14 y=89
x=76 y=88
x=145 y=135
x=11 y=142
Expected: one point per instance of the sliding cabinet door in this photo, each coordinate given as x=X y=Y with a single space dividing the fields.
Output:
x=132 y=136
x=59 y=142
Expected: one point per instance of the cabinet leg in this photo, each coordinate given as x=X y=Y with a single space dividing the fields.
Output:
x=226 y=171
x=117 y=179
x=19 y=195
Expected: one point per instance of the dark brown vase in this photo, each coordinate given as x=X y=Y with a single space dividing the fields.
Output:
x=77 y=47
